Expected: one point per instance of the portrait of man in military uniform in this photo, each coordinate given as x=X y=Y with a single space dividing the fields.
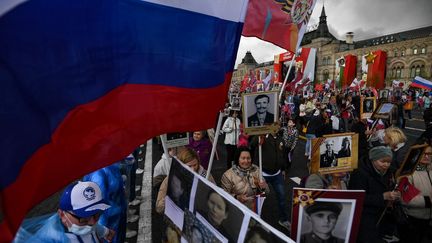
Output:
x=323 y=217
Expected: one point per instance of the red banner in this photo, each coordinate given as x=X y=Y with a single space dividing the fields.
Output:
x=376 y=70
x=350 y=70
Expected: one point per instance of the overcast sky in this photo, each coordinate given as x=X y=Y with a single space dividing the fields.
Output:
x=366 y=18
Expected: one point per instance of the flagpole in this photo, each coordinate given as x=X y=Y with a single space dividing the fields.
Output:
x=218 y=126
x=260 y=157
x=286 y=76
x=164 y=146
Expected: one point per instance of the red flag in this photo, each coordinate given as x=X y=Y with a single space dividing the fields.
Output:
x=374 y=91
x=376 y=70
x=280 y=22
x=350 y=70
x=408 y=191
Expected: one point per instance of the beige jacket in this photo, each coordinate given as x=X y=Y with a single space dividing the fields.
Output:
x=160 y=201
x=417 y=206
x=237 y=183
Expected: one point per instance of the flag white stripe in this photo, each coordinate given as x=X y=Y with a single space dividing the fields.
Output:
x=8 y=5
x=232 y=10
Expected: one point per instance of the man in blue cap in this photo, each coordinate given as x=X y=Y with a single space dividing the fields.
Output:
x=81 y=205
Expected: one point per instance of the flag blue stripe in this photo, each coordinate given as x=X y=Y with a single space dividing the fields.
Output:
x=56 y=55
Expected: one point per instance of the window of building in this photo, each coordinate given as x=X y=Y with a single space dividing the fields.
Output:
x=423 y=50
x=412 y=72
x=399 y=72
x=415 y=51
x=402 y=53
x=325 y=75
x=395 y=53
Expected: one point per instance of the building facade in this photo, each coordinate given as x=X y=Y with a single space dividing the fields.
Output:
x=409 y=53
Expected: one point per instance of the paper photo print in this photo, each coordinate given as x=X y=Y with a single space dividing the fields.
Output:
x=195 y=231
x=217 y=213
x=257 y=232
x=175 y=139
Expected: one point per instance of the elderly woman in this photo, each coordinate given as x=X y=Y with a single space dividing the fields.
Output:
x=395 y=138
x=376 y=178
x=202 y=146
x=419 y=208
x=189 y=157
x=242 y=180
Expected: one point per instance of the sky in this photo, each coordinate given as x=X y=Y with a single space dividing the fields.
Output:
x=366 y=18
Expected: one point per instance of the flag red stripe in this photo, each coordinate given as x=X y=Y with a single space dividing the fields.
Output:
x=102 y=132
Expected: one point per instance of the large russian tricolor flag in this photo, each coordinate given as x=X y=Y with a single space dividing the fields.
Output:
x=84 y=82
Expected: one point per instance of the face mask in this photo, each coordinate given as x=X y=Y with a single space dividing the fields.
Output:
x=79 y=230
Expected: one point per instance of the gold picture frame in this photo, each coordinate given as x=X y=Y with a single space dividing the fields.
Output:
x=252 y=124
x=367 y=107
x=334 y=153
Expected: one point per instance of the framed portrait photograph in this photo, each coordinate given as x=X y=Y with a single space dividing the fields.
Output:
x=367 y=107
x=412 y=158
x=334 y=153
x=384 y=94
x=175 y=139
x=236 y=103
x=277 y=86
x=384 y=111
x=260 y=112
x=260 y=87
x=217 y=213
x=320 y=215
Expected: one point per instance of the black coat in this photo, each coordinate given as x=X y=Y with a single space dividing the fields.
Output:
x=366 y=178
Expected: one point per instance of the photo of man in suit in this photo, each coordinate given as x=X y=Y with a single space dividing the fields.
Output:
x=262 y=116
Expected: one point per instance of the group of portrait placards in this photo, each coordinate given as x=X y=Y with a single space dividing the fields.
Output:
x=203 y=212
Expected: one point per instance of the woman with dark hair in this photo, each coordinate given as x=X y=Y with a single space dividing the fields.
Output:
x=242 y=181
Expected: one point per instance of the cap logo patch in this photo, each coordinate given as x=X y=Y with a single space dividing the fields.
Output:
x=89 y=193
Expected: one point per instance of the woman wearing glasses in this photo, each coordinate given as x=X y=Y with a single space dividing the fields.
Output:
x=418 y=208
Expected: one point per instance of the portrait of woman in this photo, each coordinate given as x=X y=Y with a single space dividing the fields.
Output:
x=217 y=212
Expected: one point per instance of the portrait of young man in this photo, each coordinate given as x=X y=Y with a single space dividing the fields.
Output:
x=263 y=115
x=323 y=217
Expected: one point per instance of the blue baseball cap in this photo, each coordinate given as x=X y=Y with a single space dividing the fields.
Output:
x=83 y=199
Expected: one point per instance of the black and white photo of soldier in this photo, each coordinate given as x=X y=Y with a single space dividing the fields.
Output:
x=328 y=157
x=322 y=218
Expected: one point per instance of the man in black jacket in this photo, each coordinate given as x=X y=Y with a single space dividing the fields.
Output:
x=273 y=168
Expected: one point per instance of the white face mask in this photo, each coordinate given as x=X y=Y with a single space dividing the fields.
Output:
x=79 y=230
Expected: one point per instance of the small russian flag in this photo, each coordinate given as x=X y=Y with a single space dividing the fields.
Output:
x=420 y=82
